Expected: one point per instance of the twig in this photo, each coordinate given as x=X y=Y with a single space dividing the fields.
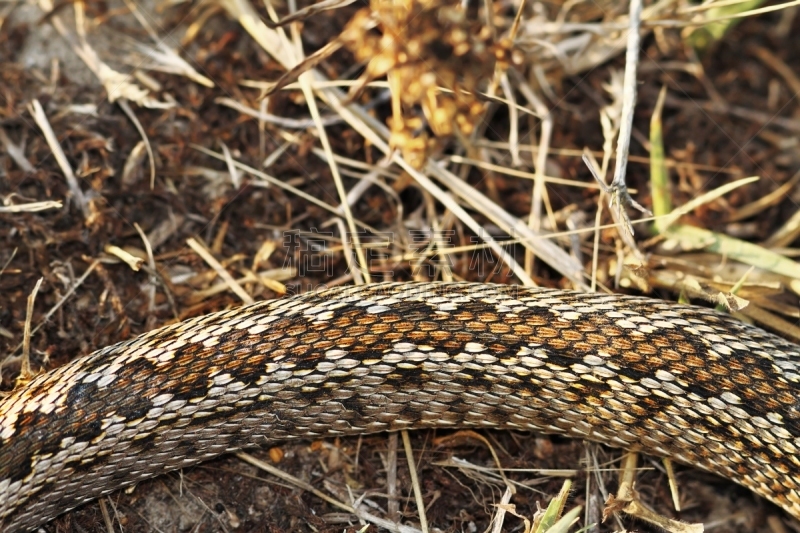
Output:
x=619 y=197
x=393 y=504
x=200 y=250
x=126 y=108
x=40 y=117
x=32 y=207
x=15 y=152
x=25 y=372
x=236 y=178
x=412 y=470
x=283 y=122
x=151 y=262
x=380 y=522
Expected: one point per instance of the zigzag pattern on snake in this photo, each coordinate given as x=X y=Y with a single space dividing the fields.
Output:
x=670 y=380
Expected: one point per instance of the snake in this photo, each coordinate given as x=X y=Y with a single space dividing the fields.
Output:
x=677 y=381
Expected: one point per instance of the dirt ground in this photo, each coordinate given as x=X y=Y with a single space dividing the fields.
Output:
x=731 y=111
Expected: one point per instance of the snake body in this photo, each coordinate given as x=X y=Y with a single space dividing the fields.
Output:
x=670 y=380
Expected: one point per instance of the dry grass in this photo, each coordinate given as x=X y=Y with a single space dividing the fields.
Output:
x=166 y=159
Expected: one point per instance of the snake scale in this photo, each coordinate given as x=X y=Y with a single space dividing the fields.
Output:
x=632 y=372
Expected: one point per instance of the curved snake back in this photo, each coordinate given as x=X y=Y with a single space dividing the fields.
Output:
x=671 y=380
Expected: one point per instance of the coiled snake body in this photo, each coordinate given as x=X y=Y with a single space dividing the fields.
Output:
x=671 y=380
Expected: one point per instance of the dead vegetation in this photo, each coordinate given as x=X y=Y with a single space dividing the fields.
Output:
x=160 y=160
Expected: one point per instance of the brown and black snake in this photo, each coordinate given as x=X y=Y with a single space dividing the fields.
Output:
x=671 y=380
